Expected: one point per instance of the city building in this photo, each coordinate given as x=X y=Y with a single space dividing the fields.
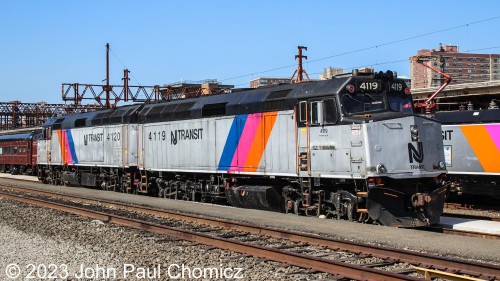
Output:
x=189 y=89
x=462 y=67
x=266 y=81
x=330 y=72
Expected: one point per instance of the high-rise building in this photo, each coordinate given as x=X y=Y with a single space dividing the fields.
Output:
x=462 y=67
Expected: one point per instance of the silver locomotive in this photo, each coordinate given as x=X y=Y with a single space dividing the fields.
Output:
x=349 y=147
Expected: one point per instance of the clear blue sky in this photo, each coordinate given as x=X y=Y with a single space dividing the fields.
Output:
x=46 y=43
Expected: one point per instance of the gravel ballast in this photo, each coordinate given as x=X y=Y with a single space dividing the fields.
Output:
x=446 y=245
x=35 y=238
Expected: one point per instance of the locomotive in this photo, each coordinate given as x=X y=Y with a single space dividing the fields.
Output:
x=472 y=151
x=349 y=147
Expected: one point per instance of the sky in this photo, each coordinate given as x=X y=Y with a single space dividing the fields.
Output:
x=46 y=43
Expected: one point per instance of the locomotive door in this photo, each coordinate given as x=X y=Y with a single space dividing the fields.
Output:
x=303 y=163
x=315 y=131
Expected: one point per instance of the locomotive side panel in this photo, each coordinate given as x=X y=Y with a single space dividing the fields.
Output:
x=85 y=146
x=330 y=150
x=131 y=153
x=250 y=144
x=186 y=145
x=260 y=143
x=472 y=149
x=280 y=152
x=42 y=152
x=54 y=145
x=115 y=145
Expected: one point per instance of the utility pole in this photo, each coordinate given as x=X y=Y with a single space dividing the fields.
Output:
x=299 y=71
x=125 y=84
x=108 y=104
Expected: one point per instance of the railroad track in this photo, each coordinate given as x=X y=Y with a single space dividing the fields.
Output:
x=437 y=229
x=493 y=210
x=304 y=250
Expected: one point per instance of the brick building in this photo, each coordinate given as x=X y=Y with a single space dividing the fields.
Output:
x=462 y=67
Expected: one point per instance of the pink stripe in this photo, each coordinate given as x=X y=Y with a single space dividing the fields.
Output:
x=245 y=142
x=494 y=131
x=67 y=150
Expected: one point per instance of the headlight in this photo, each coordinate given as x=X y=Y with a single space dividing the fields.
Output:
x=381 y=169
x=414 y=132
x=441 y=165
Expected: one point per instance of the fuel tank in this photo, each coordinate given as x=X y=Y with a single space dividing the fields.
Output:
x=255 y=197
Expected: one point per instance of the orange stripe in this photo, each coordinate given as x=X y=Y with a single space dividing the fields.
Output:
x=259 y=142
x=61 y=146
x=483 y=146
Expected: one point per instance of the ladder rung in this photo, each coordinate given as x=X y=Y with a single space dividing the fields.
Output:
x=362 y=210
x=362 y=194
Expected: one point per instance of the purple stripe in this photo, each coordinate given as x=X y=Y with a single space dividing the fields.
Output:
x=494 y=131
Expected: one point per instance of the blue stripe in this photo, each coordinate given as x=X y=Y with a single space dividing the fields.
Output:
x=72 y=146
x=232 y=142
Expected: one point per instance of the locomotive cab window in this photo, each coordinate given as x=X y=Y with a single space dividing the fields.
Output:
x=302 y=111
x=317 y=113
x=320 y=112
x=363 y=103
x=400 y=103
x=330 y=111
x=324 y=112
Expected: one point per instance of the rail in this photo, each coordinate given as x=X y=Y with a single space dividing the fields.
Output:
x=457 y=266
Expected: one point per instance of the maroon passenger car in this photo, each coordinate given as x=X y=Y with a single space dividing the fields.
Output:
x=18 y=153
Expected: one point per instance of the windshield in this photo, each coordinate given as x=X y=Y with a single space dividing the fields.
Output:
x=400 y=103
x=363 y=103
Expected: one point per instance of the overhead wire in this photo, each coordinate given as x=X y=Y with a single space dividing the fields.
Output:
x=398 y=61
x=124 y=66
x=348 y=52
x=405 y=60
x=368 y=48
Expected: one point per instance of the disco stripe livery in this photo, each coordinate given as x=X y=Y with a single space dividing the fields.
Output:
x=246 y=142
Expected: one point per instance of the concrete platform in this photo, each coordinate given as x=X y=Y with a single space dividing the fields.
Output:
x=482 y=226
x=20 y=177
x=410 y=239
